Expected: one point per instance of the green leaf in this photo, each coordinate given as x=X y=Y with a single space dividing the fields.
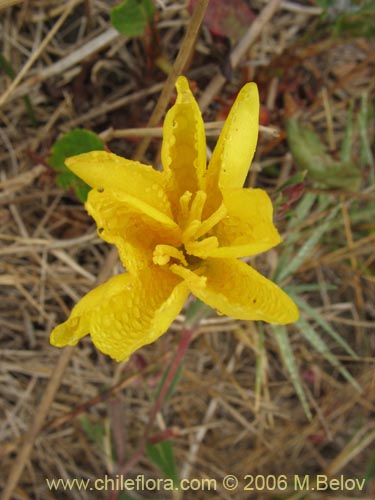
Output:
x=347 y=143
x=259 y=362
x=173 y=385
x=321 y=347
x=291 y=365
x=364 y=121
x=310 y=154
x=7 y=67
x=370 y=472
x=308 y=287
x=295 y=179
x=286 y=269
x=133 y=496
x=195 y=312
x=302 y=211
x=95 y=432
x=323 y=323
x=161 y=454
x=131 y=17
x=71 y=144
x=350 y=18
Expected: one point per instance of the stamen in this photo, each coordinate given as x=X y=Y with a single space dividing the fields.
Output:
x=189 y=276
x=193 y=221
x=190 y=231
x=202 y=248
x=184 y=204
x=211 y=221
x=163 y=254
x=197 y=206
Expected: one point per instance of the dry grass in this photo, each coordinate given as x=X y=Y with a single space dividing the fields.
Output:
x=78 y=72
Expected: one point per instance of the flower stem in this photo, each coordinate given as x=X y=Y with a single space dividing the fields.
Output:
x=187 y=335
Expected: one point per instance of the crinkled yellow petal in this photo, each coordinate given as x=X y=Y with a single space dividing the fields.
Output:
x=234 y=151
x=138 y=313
x=131 y=182
x=184 y=144
x=78 y=323
x=236 y=289
x=247 y=229
x=135 y=234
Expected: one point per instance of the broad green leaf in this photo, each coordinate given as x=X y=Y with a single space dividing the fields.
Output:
x=289 y=360
x=161 y=454
x=131 y=17
x=310 y=154
x=321 y=347
x=71 y=144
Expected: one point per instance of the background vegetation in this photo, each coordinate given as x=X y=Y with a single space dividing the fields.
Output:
x=248 y=398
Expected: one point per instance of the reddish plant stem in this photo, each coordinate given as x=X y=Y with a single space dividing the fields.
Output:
x=187 y=335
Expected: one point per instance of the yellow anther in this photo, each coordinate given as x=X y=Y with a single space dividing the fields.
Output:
x=190 y=230
x=197 y=206
x=211 y=221
x=189 y=276
x=184 y=204
x=163 y=254
x=202 y=248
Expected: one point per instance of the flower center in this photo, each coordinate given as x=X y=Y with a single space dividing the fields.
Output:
x=195 y=246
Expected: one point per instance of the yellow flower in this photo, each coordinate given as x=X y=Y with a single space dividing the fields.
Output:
x=178 y=231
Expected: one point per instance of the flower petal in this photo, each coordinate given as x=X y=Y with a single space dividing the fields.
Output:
x=247 y=228
x=138 y=185
x=234 y=151
x=135 y=234
x=78 y=323
x=138 y=313
x=236 y=289
x=184 y=144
